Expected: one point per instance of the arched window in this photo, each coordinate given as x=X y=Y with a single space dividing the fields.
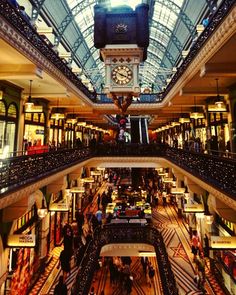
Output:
x=12 y=111
x=3 y=109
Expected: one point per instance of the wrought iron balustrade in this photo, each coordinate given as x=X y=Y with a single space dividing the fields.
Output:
x=143 y=98
x=18 y=171
x=220 y=172
x=132 y=149
x=124 y=234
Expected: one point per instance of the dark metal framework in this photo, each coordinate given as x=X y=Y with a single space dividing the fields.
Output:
x=83 y=33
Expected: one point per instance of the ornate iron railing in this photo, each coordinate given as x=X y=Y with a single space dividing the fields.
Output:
x=143 y=98
x=219 y=172
x=20 y=24
x=19 y=171
x=130 y=234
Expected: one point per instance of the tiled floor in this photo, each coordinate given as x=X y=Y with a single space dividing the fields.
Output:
x=177 y=242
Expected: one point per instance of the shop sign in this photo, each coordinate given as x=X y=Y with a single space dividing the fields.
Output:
x=39 y=131
x=168 y=179
x=177 y=190
x=87 y=179
x=60 y=206
x=193 y=208
x=21 y=241
x=223 y=242
x=77 y=189
x=96 y=173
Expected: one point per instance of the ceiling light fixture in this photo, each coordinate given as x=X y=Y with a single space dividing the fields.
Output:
x=195 y=114
x=183 y=118
x=57 y=115
x=72 y=119
x=218 y=101
x=29 y=104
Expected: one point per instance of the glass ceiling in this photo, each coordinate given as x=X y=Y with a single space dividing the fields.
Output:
x=172 y=27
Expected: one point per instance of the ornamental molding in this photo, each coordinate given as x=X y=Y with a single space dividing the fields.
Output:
x=23 y=46
x=221 y=35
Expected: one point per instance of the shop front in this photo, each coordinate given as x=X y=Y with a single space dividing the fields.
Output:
x=23 y=254
x=59 y=209
x=34 y=134
x=223 y=248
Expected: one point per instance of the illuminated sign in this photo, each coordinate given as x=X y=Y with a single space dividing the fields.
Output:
x=87 y=179
x=96 y=173
x=77 y=189
x=39 y=131
x=193 y=208
x=21 y=241
x=177 y=190
x=217 y=242
x=60 y=206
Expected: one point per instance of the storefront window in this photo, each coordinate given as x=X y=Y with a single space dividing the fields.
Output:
x=10 y=135
x=34 y=129
x=228 y=259
x=8 y=121
x=22 y=261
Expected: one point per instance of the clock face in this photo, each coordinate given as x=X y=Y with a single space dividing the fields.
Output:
x=122 y=75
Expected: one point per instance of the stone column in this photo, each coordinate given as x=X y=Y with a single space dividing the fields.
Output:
x=21 y=129
x=232 y=118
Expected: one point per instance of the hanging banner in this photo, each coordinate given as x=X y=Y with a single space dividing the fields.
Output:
x=217 y=242
x=21 y=241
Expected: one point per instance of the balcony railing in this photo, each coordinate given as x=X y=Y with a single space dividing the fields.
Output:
x=219 y=172
x=16 y=172
x=130 y=234
x=143 y=98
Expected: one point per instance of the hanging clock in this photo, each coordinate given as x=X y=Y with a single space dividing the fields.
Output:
x=122 y=74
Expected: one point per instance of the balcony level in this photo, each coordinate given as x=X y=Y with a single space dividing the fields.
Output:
x=22 y=175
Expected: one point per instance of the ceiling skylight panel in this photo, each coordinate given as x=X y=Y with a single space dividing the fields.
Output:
x=164 y=15
x=155 y=51
x=95 y=55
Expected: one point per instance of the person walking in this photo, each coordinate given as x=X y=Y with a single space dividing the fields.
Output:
x=98 y=201
x=68 y=239
x=195 y=244
x=80 y=221
x=64 y=261
x=60 y=288
x=98 y=215
x=151 y=273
